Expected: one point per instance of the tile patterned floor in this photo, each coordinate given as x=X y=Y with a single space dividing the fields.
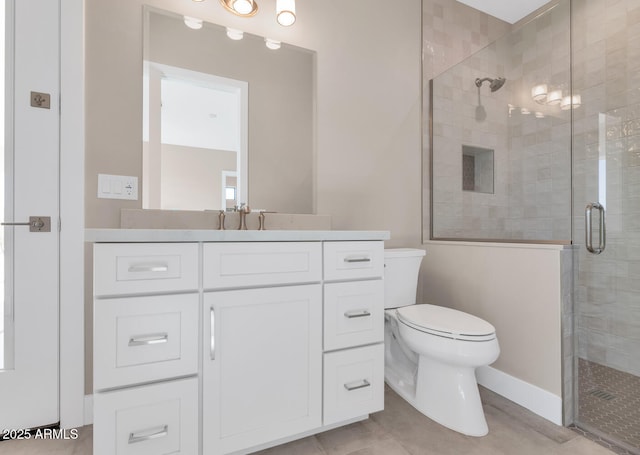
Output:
x=398 y=430
x=609 y=401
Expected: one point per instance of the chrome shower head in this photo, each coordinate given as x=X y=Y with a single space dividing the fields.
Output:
x=494 y=84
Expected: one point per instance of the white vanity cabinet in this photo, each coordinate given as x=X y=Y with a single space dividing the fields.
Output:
x=219 y=347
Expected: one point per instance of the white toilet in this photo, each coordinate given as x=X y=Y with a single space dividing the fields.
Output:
x=431 y=352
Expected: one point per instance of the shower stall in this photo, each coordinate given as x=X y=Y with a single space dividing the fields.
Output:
x=536 y=139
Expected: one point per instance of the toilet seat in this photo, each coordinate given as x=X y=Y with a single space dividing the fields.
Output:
x=446 y=322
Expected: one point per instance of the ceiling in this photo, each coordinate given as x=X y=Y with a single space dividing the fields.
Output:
x=510 y=11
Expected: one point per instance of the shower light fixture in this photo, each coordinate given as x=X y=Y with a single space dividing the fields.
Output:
x=286 y=12
x=192 y=22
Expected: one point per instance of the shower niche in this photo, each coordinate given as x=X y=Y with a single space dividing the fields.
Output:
x=477 y=169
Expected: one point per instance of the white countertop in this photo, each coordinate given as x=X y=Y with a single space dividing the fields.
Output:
x=203 y=235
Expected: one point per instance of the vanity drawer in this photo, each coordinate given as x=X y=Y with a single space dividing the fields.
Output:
x=353 y=383
x=142 y=339
x=236 y=265
x=353 y=260
x=353 y=314
x=134 y=268
x=156 y=419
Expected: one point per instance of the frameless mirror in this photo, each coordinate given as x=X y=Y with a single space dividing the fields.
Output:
x=226 y=120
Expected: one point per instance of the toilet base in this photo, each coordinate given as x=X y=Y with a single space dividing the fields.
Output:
x=451 y=399
x=449 y=395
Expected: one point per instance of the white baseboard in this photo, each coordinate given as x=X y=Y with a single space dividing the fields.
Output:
x=88 y=409
x=532 y=397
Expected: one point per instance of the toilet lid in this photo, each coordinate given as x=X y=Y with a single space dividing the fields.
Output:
x=446 y=322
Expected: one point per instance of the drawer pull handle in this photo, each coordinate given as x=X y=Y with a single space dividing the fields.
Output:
x=356 y=314
x=148 y=268
x=212 y=322
x=147 y=435
x=358 y=385
x=357 y=259
x=144 y=340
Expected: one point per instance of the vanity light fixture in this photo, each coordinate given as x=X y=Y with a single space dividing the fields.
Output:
x=286 y=12
x=235 y=34
x=272 y=44
x=193 y=22
x=539 y=93
x=242 y=8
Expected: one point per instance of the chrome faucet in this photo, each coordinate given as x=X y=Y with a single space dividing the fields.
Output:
x=221 y=215
x=244 y=210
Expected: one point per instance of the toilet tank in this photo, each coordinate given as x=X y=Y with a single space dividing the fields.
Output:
x=401 y=267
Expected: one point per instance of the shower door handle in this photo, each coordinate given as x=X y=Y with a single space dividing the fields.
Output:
x=588 y=228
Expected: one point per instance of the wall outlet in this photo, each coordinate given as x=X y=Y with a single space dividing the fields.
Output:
x=117 y=187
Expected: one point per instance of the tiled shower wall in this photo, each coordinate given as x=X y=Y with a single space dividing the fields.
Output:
x=531 y=141
x=451 y=32
x=606 y=36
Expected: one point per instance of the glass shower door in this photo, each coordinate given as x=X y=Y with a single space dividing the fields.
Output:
x=606 y=227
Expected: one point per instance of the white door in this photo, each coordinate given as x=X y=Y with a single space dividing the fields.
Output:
x=29 y=329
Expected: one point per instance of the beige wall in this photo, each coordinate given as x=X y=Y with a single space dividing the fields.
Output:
x=516 y=288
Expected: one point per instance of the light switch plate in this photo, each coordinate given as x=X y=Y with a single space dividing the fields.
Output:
x=117 y=187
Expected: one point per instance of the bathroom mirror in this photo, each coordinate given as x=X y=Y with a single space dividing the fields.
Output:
x=226 y=120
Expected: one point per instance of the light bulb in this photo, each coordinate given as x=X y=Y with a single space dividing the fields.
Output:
x=554 y=97
x=569 y=102
x=539 y=93
x=286 y=12
x=193 y=22
x=243 y=6
x=235 y=34
x=272 y=44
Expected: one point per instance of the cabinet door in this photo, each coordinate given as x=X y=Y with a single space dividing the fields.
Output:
x=262 y=367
